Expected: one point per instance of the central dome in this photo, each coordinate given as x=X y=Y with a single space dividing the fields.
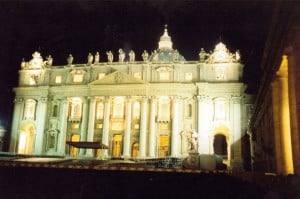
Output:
x=165 y=51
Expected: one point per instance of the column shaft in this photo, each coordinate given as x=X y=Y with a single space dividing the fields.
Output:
x=143 y=128
x=84 y=122
x=126 y=146
x=91 y=124
x=152 y=137
x=285 y=127
x=175 y=127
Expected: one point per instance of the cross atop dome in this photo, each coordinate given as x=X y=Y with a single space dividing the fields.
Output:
x=165 y=42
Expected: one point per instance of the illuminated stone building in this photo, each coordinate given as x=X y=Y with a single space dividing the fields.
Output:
x=274 y=128
x=139 y=109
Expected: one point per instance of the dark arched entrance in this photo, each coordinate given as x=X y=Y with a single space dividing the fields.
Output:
x=220 y=145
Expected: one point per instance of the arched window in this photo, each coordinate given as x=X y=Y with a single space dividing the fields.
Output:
x=188 y=110
x=29 y=112
x=99 y=110
x=164 y=109
x=75 y=108
x=136 y=110
x=55 y=110
x=118 y=108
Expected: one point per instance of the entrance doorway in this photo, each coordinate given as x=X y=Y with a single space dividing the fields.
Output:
x=135 y=150
x=26 y=139
x=163 y=149
x=220 y=145
x=117 y=146
x=74 y=150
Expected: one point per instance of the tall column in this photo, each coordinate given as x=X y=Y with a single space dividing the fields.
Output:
x=283 y=119
x=126 y=146
x=236 y=142
x=277 y=137
x=203 y=140
x=143 y=128
x=17 y=117
x=175 y=127
x=294 y=98
x=84 y=122
x=152 y=138
x=105 y=132
x=91 y=124
x=63 y=127
x=40 y=120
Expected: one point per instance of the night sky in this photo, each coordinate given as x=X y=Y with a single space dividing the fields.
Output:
x=79 y=27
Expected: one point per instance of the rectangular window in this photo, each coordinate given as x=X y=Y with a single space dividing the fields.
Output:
x=99 y=126
x=101 y=76
x=58 y=79
x=29 y=112
x=188 y=76
x=164 y=75
x=78 y=78
x=137 y=75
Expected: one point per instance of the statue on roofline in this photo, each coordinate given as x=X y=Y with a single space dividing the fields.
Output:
x=90 y=59
x=203 y=55
x=121 y=55
x=97 y=58
x=70 y=60
x=49 y=60
x=110 y=56
x=145 y=56
x=131 y=56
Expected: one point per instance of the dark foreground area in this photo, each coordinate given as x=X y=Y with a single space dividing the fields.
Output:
x=46 y=183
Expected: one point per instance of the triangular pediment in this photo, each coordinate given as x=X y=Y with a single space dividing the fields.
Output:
x=117 y=77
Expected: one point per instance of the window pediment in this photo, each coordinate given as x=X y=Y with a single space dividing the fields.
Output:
x=164 y=69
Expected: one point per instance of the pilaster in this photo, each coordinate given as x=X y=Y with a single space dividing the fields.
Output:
x=236 y=137
x=105 y=132
x=17 y=115
x=203 y=141
x=41 y=118
x=63 y=126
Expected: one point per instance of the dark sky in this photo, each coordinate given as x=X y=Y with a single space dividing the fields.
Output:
x=79 y=27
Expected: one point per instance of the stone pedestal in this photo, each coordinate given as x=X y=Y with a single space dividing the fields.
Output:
x=192 y=161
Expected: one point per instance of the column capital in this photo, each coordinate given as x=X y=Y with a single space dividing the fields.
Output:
x=18 y=100
x=43 y=99
x=106 y=99
x=144 y=98
x=236 y=99
x=201 y=98
x=91 y=98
